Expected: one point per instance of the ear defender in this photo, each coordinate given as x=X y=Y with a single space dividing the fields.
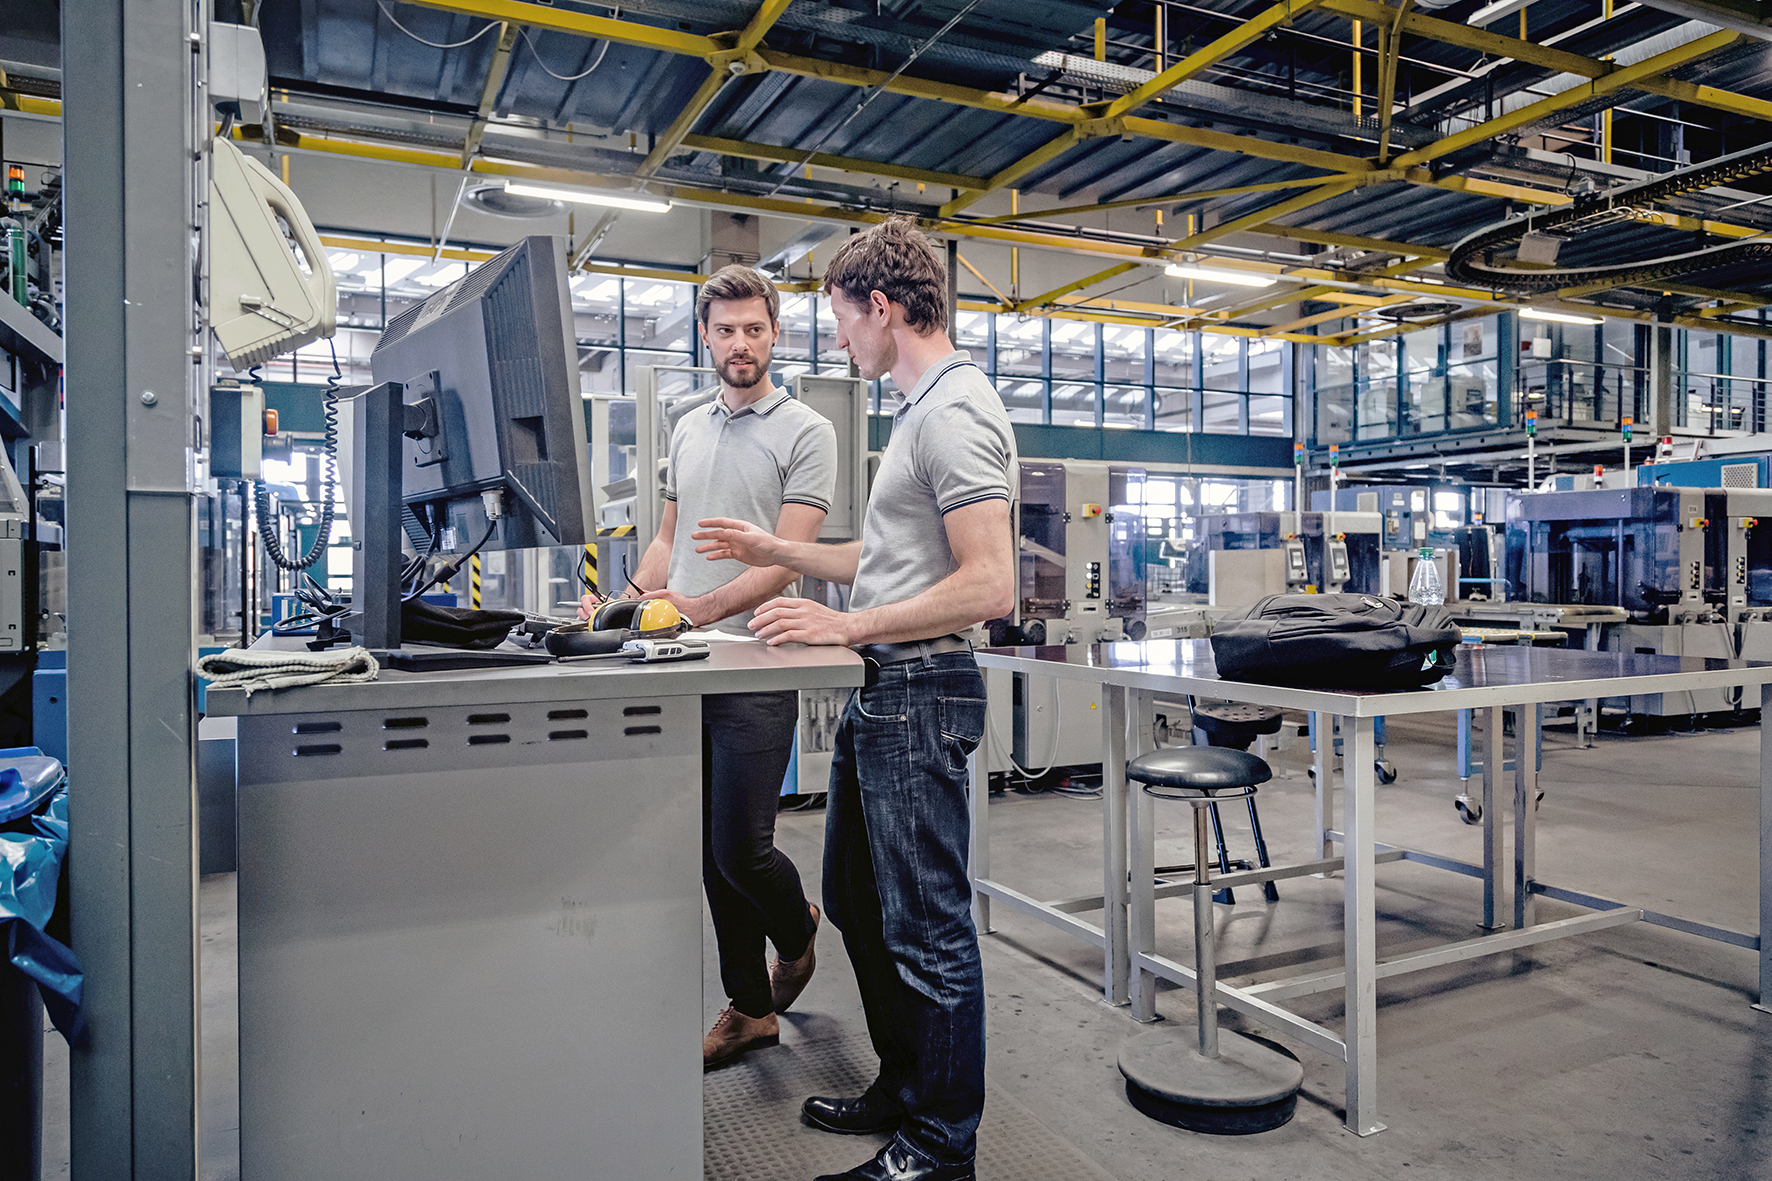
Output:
x=614 y=624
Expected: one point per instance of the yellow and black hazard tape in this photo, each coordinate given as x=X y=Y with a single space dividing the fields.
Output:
x=590 y=565
x=618 y=531
x=474 y=582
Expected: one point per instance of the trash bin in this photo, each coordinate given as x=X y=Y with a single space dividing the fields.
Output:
x=37 y=970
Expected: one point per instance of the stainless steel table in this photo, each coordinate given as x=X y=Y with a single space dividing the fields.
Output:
x=1493 y=678
x=470 y=921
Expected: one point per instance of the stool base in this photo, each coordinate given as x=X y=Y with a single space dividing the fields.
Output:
x=1252 y=1086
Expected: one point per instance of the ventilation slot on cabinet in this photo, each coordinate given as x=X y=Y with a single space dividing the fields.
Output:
x=318 y=727
x=406 y=744
x=317 y=748
x=488 y=719
x=404 y=723
x=1741 y=475
x=631 y=730
x=641 y=711
x=487 y=739
x=566 y=715
x=564 y=735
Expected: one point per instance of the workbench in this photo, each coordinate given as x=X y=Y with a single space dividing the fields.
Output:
x=1499 y=679
x=470 y=918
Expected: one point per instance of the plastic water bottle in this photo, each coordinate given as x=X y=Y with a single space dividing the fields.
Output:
x=1425 y=585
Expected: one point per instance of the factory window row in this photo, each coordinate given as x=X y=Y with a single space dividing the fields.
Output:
x=1049 y=370
x=1488 y=373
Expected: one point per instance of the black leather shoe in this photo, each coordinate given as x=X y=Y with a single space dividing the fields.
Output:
x=898 y=1163
x=850 y=1117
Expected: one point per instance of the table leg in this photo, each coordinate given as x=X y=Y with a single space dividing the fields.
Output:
x=1141 y=912
x=1586 y=728
x=1116 y=962
x=978 y=786
x=1494 y=895
x=1360 y=920
x=1525 y=814
x=1323 y=755
x=1765 y=1005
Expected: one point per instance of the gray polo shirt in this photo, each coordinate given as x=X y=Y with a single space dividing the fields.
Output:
x=951 y=446
x=746 y=465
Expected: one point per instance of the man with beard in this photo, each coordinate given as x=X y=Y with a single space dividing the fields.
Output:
x=756 y=454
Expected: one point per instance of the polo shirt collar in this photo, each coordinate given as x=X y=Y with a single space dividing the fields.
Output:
x=763 y=407
x=934 y=372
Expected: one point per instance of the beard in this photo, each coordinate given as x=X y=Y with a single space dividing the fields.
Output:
x=742 y=379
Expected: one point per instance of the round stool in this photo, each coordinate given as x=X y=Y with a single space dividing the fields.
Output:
x=1229 y=1084
x=1236 y=725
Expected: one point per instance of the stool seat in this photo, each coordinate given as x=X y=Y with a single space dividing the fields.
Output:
x=1198 y=768
x=1234 y=724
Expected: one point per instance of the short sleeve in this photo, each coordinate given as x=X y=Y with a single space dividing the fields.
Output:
x=965 y=454
x=670 y=488
x=811 y=477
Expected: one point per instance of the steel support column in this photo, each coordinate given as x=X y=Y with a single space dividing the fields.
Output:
x=128 y=75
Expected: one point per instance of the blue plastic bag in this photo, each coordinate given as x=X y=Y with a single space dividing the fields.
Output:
x=32 y=849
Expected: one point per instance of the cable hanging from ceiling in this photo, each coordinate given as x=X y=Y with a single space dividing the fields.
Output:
x=1473 y=260
x=395 y=21
x=602 y=50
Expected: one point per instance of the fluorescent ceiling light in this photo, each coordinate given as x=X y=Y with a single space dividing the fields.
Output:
x=1214 y=275
x=344 y=263
x=394 y=270
x=1494 y=12
x=445 y=275
x=585 y=197
x=1557 y=317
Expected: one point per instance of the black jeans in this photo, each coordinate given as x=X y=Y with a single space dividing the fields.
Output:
x=754 y=891
x=897 y=832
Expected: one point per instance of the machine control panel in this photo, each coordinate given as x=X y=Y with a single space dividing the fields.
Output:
x=1092 y=580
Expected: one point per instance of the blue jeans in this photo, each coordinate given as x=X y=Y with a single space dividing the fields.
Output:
x=896 y=840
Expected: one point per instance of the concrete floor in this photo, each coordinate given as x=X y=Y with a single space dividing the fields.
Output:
x=1629 y=1053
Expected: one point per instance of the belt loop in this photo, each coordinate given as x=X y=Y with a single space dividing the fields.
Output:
x=923 y=650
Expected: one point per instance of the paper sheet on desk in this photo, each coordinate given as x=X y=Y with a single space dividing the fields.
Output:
x=721 y=637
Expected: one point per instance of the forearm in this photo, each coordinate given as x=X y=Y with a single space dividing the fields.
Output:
x=755 y=586
x=963 y=598
x=833 y=563
x=654 y=568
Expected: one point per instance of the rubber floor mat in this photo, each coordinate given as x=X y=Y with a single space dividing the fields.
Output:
x=752 y=1128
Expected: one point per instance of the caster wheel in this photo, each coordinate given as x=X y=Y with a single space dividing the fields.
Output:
x=1387 y=771
x=1469 y=810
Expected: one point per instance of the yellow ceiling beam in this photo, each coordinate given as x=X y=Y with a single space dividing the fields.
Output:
x=1271 y=186
x=1130 y=305
x=1088 y=281
x=1240 y=37
x=1003 y=178
x=754 y=151
x=722 y=67
x=1619 y=79
x=583 y=24
x=1261 y=216
x=1356 y=242
x=495 y=79
x=1326 y=317
x=979 y=275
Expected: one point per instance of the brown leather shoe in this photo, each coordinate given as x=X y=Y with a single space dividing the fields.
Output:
x=734 y=1034
x=788 y=978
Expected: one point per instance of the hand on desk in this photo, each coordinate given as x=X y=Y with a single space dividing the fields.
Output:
x=800 y=621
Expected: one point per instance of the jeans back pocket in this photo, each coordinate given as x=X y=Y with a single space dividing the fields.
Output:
x=962 y=723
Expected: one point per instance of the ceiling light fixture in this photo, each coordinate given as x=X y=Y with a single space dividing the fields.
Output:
x=1214 y=275
x=586 y=197
x=1557 y=317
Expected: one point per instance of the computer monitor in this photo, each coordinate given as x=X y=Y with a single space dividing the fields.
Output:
x=492 y=362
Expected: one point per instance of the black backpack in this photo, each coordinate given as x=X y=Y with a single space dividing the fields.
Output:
x=1336 y=642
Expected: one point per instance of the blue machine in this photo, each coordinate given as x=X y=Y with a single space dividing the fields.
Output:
x=1729 y=471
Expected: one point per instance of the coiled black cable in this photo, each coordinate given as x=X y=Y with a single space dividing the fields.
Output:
x=1473 y=260
x=267 y=531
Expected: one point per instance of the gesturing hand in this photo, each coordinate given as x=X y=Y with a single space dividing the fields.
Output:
x=800 y=621
x=726 y=537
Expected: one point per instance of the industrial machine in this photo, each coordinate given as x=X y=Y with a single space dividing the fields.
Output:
x=1236 y=558
x=1692 y=568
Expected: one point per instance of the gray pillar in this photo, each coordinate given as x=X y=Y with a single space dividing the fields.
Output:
x=128 y=74
x=1661 y=380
